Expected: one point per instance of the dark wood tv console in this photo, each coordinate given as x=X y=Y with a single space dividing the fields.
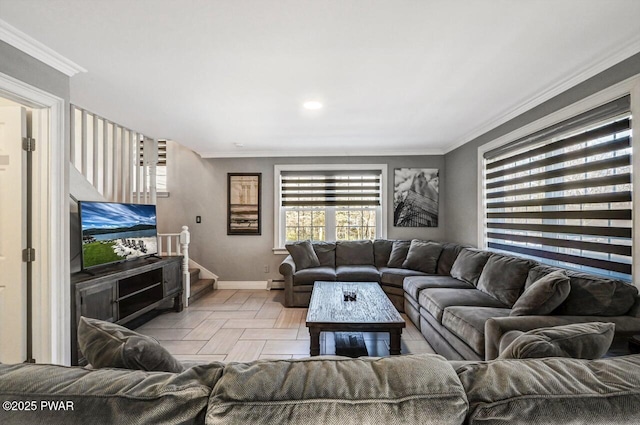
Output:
x=122 y=292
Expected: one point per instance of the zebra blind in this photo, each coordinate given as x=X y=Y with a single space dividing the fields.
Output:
x=566 y=198
x=335 y=189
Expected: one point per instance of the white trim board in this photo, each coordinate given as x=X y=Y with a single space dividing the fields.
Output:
x=279 y=168
x=52 y=316
x=29 y=45
x=367 y=152
x=241 y=284
x=625 y=52
x=628 y=86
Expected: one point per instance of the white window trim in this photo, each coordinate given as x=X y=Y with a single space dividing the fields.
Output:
x=278 y=244
x=629 y=86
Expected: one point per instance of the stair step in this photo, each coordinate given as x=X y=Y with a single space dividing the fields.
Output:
x=200 y=288
x=194 y=275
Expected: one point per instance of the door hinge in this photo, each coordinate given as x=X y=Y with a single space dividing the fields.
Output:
x=28 y=144
x=28 y=255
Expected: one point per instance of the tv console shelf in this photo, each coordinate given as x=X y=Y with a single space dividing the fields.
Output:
x=122 y=292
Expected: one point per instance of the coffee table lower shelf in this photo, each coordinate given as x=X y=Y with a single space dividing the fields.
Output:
x=372 y=311
x=314 y=332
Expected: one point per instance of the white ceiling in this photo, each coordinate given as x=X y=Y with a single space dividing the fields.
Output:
x=396 y=76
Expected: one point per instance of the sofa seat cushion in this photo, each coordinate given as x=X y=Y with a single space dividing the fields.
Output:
x=467 y=323
x=412 y=389
x=435 y=300
x=354 y=253
x=553 y=391
x=414 y=284
x=308 y=276
x=107 y=396
x=395 y=277
x=357 y=274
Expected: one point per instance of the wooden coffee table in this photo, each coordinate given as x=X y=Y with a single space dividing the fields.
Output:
x=372 y=311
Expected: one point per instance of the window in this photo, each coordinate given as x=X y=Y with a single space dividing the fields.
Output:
x=563 y=195
x=161 y=167
x=328 y=204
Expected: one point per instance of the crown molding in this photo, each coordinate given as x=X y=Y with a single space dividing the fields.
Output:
x=626 y=51
x=283 y=154
x=21 y=41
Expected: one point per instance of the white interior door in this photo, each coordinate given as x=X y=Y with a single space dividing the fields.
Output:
x=13 y=127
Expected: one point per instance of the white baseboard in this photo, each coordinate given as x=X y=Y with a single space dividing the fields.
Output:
x=241 y=284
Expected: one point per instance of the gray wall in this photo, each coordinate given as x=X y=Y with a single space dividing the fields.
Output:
x=461 y=186
x=199 y=187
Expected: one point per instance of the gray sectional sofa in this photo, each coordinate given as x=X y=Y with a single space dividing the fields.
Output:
x=460 y=298
x=414 y=389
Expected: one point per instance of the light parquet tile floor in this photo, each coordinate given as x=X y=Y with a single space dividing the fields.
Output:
x=245 y=325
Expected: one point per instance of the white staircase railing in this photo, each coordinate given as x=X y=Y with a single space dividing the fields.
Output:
x=120 y=163
x=178 y=244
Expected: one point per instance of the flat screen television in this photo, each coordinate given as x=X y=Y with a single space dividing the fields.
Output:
x=114 y=232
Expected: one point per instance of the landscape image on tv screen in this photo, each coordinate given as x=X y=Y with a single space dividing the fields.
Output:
x=113 y=232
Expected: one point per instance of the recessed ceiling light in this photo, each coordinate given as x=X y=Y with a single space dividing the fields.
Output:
x=239 y=145
x=312 y=105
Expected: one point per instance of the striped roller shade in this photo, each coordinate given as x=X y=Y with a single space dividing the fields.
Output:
x=563 y=196
x=335 y=189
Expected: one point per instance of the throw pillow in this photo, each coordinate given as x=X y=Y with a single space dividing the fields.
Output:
x=303 y=255
x=398 y=253
x=106 y=344
x=577 y=340
x=503 y=277
x=423 y=256
x=543 y=296
x=469 y=264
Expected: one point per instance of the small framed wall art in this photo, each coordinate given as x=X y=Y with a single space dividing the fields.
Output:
x=243 y=208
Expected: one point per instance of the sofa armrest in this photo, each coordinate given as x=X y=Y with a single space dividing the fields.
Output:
x=287 y=267
x=496 y=327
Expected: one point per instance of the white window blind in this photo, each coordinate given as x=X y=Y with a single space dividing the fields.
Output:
x=563 y=195
x=331 y=205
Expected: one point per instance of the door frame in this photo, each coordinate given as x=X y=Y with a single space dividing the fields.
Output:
x=51 y=270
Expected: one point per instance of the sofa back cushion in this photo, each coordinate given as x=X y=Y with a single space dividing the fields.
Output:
x=381 y=252
x=106 y=344
x=553 y=391
x=106 y=396
x=412 y=389
x=590 y=295
x=575 y=341
x=303 y=254
x=448 y=256
x=469 y=264
x=354 y=253
x=503 y=277
x=326 y=252
x=423 y=256
x=398 y=254
x=543 y=296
